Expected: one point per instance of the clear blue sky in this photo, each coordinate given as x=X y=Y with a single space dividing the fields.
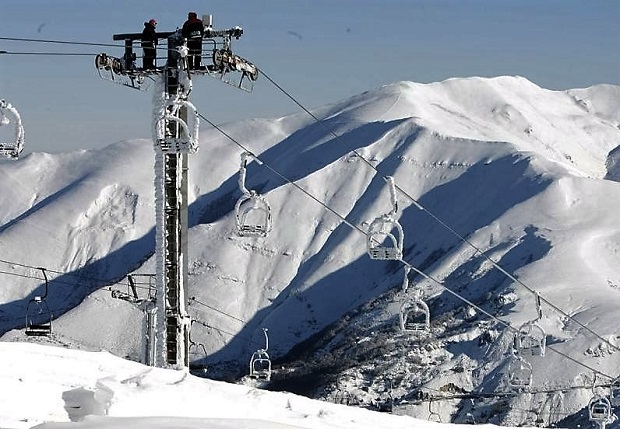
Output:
x=340 y=48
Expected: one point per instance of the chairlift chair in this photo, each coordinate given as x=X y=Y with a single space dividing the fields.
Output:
x=38 y=318
x=187 y=129
x=253 y=215
x=197 y=353
x=38 y=314
x=531 y=339
x=433 y=416
x=252 y=211
x=415 y=316
x=520 y=373
x=385 y=239
x=10 y=115
x=599 y=409
x=385 y=235
x=260 y=363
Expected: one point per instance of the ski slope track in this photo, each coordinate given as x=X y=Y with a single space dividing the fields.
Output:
x=527 y=175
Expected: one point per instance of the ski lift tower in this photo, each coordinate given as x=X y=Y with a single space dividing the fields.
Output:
x=175 y=135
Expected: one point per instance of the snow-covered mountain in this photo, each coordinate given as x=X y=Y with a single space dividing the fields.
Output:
x=508 y=175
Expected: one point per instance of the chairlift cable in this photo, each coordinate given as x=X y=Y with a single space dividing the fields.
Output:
x=482 y=395
x=193 y=299
x=8 y=273
x=444 y=224
x=222 y=331
x=75 y=54
x=63 y=42
x=80 y=277
x=506 y=324
x=69 y=42
x=136 y=284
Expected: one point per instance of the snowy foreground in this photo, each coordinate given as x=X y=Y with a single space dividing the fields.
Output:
x=53 y=384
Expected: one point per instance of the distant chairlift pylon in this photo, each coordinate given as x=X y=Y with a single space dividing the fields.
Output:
x=385 y=235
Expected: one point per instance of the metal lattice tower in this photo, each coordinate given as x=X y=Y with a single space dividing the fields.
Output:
x=175 y=135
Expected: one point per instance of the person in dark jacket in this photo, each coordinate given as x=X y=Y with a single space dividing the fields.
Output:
x=193 y=30
x=149 y=42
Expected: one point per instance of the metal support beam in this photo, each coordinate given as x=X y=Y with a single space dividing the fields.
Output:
x=171 y=230
x=167 y=321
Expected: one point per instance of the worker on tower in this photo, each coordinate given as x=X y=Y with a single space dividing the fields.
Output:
x=149 y=42
x=193 y=30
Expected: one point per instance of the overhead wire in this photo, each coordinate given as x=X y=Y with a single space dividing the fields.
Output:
x=223 y=331
x=65 y=42
x=58 y=54
x=62 y=42
x=442 y=223
x=20 y=275
x=193 y=299
x=104 y=282
x=136 y=284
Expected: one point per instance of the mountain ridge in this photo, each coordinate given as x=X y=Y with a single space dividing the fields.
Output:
x=460 y=148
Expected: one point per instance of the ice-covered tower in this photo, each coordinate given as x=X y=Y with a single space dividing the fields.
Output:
x=175 y=136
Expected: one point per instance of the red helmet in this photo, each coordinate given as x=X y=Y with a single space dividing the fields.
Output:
x=153 y=21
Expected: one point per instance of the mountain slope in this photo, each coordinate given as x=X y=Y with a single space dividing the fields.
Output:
x=516 y=169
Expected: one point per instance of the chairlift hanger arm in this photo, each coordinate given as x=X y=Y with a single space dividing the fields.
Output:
x=406 y=279
x=132 y=284
x=538 y=306
x=46 y=282
x=393 y=199
x=266 y=339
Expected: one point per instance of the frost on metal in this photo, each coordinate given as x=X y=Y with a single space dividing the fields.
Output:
x=167 y=113
x=9 y=115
